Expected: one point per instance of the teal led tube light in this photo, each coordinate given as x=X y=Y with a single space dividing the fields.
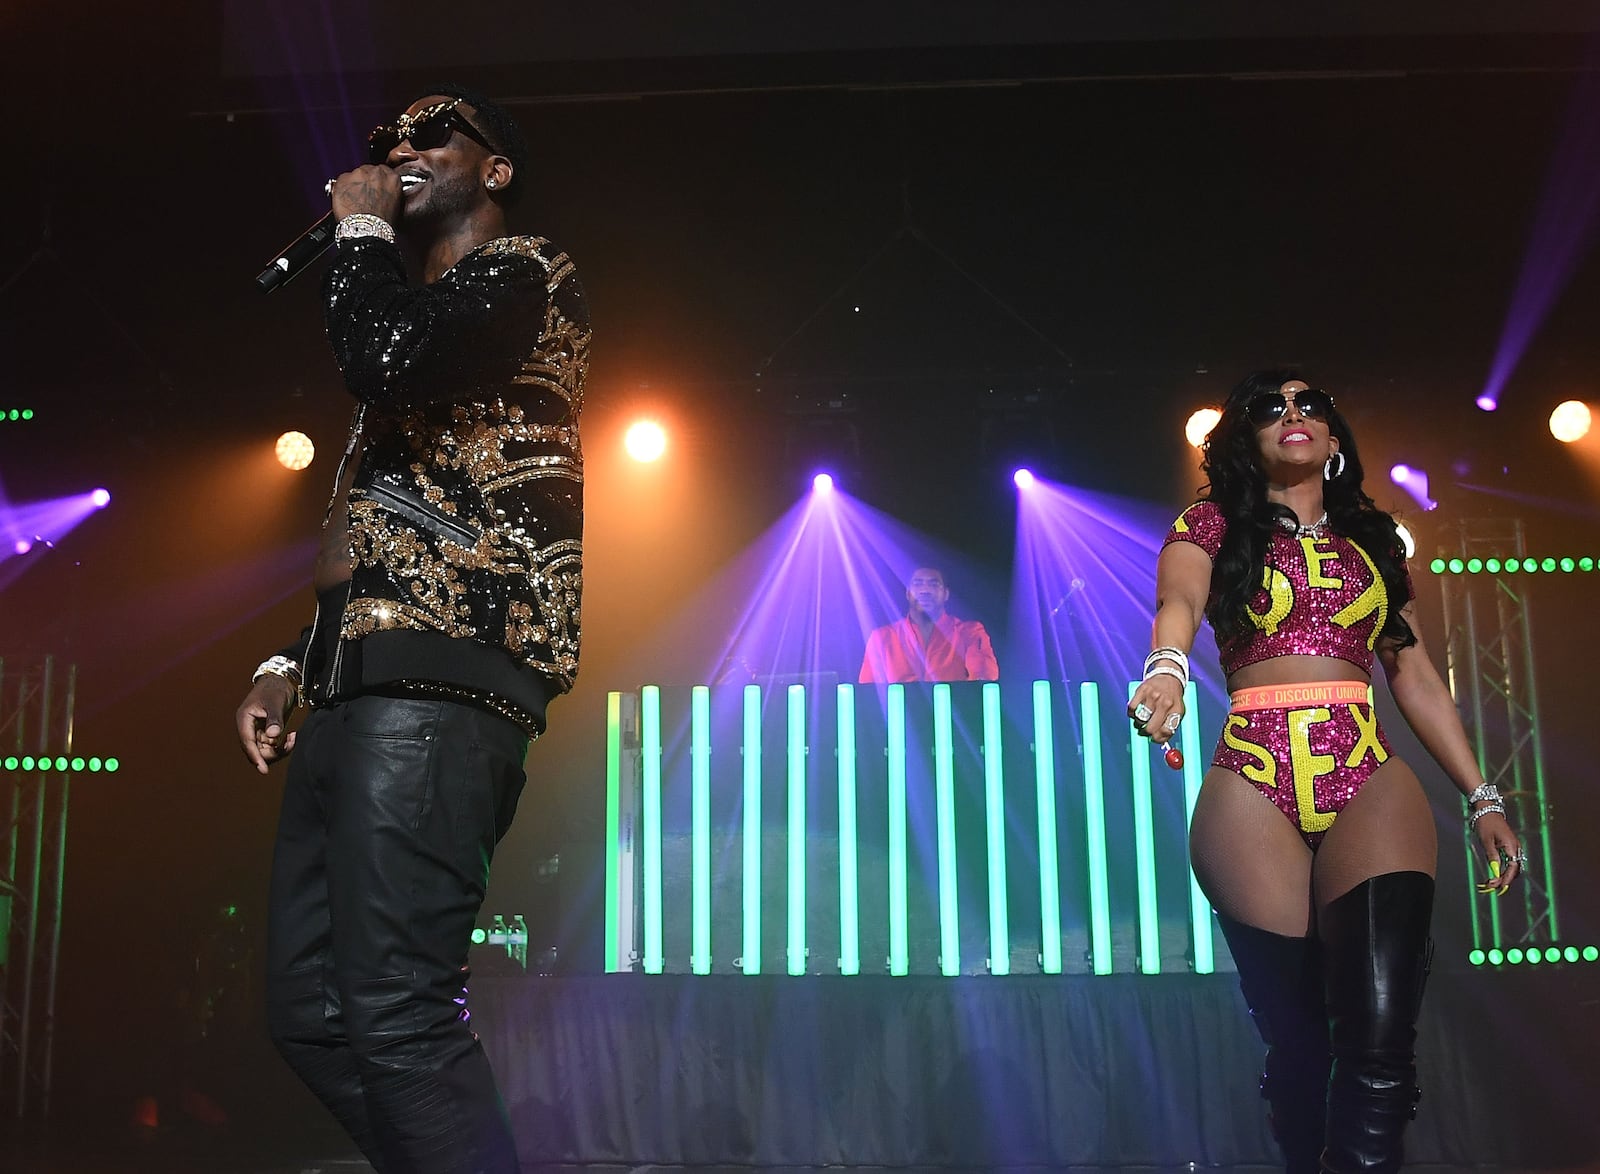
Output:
x=613 y=958
x=750 y=959
x=700 y=830
x=796 y=953
x=650 y=750
x=849 y=877
x=1144 y=848
x=1205 y=960
x=1044 y=781
x=899 y=937
x=994 y=795
x=944 y=785
x=1094 y=799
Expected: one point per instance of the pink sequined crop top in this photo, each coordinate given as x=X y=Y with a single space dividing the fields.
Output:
x=1321 y=596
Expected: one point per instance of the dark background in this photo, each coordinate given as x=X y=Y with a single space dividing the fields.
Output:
x=1107 y=213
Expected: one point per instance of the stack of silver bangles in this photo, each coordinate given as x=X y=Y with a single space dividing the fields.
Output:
x=1489 y=793
x=1179 y=667
x=1166 y=661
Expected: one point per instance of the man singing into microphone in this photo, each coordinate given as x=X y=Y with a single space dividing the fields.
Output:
x=447 y=617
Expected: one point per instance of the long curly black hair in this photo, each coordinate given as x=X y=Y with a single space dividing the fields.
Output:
x=1235 y=482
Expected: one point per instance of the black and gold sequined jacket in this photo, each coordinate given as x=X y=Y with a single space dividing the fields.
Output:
x=466 y=510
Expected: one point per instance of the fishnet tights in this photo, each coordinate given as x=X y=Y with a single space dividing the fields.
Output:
x=1254 y=866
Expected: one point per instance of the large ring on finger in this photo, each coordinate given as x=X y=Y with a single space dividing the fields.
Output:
x=1142 y=713
x=1521 y=858
x=1172 y=722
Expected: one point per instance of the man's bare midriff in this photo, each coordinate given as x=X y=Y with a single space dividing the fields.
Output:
x=334 y=564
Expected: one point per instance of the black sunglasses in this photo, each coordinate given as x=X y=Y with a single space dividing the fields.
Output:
x=426 y=129
x=1268 y=408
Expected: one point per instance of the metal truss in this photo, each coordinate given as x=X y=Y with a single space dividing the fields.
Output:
x=1489 y=656
x=36 y=704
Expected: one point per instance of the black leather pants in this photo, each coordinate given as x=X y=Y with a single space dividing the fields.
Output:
x=391 y=813
x=1281 y=978
x=1376 y=954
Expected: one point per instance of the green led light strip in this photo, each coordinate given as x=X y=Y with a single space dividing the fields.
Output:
x=796 y=954
x=1205 y=961
x=995 y=827
x=1144 y=849
x=1534 y=955
x=750 y=961
x=60 y=762
x=700 y=829
x=1044 y=783
x=1094 y=802
x=899 y=938
x=944 y=790
x=15 y=414
x=613 y=959
x=1511 y=566
x=849 y=879
x=650 y=850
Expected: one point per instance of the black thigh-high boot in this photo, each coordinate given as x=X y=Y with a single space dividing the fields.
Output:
x=1281 y=978
x=1376 y=954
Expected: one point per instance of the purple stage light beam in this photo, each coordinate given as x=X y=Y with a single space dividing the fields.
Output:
x=30 y=526
x=1415 y=482
x=1563 y=228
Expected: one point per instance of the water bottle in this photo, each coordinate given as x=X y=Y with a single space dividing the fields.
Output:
x=498 y=932
x=518 y=941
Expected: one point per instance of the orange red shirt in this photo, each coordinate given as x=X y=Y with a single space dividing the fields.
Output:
x=956 y=650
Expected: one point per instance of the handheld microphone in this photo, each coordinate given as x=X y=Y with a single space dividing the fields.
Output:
x=1073 y=588
x=301 y=251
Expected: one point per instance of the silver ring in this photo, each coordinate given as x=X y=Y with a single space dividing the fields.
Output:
x=1142 y=713
x=1172 y=722
x=327 y=188
x=1520 y=858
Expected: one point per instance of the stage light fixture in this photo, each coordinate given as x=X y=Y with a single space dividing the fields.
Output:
x=1415 y=482
x=100 y=498
x=295 y=451
x=22 y=546
x=1487 y=403
x=1570 y=421
x=645 y=441
x=1023 y=478
x=822 y=483
x=1200 y=424
x=16 y=414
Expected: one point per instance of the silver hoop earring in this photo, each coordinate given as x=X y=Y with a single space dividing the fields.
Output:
x=1330 y=472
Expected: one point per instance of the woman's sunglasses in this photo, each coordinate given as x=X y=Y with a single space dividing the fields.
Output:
x=1311 y=402
x=426 y=130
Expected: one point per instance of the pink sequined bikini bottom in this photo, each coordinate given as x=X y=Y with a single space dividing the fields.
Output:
x=1308 y=748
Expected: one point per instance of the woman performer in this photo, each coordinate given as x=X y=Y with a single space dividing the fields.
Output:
x=1313 y=841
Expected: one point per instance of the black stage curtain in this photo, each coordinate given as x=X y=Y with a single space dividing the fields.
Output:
x=984 y=1073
